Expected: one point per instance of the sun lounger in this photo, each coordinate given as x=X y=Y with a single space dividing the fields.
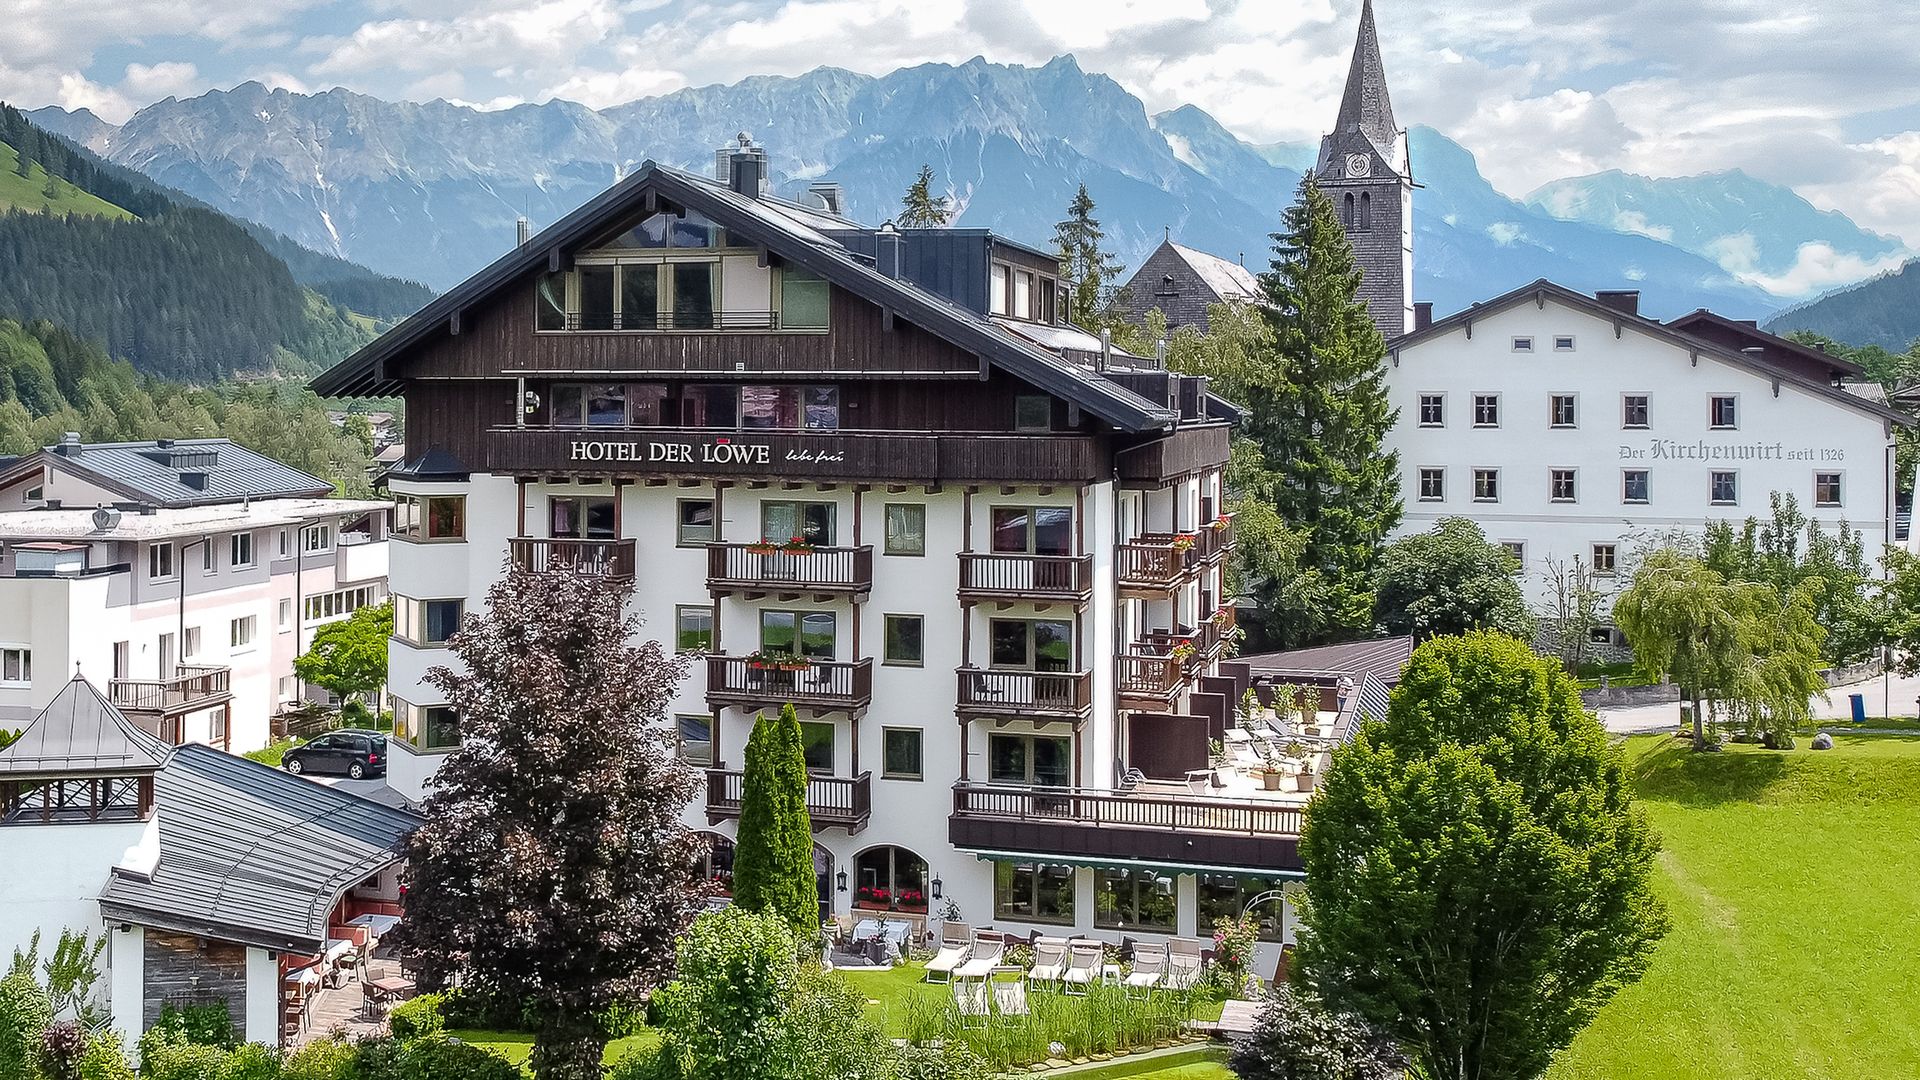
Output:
x=1149 y=966
x=1049 y=961
x=1083 y=965
x=1183 y=964
x=956 y=941
x=984 y=957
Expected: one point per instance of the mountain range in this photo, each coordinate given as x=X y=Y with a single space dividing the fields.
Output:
x=431 y=191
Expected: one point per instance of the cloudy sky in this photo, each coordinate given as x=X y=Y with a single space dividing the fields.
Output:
x=1822 y=96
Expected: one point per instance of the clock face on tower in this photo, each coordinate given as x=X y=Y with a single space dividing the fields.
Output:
x=1359 y=165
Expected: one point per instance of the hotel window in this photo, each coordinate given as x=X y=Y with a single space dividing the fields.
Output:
x=782 y=519
x=1517 y=549
x=1029 y=760
x=426 y=727
x=904 y=646
x=190 y=644
x=1633 y=410
x=694 y=284
x=790 y=408
x=901 y=754
x=240 y=632
x=1560 y=412
x=1723 y=411
x=1603 y=558
x=710 y=405
x=1560 y=485
x=1486 y=485
x=1139 y=898
x=159 y=561
x=426 y=622
x=997 y=291
x=906 y=529
x=696 y=523
x=1433 y=485
x=16 y=666
x=695 y=738
x=240 y=550
x=590 y=405
x=1032 y=530
x=550 y=302
x=207 y=563
x=1033 y=892
x=1523 y=344
x=1723 y=488
x=430 y=517
x=1032 y=412
x=890 y=878
x=1826 y=489
x=594 y=286
x=1563 y=343
x=1221 y=897
x=1634 y=485
x=1486 y=410
x=315 y=539
x=1433 y=410
x=803 y=300
x=1031 y=644
x=816 y=745
x=798 y=633
x=582 y=517
x=693 y=629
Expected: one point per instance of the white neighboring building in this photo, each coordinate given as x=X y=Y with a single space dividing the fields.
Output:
x=1570 y=427
x=185 y=576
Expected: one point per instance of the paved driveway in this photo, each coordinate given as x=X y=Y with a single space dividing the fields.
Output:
x=1895 y=695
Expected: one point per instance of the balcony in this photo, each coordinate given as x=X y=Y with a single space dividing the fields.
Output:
x=674 y=320
x=359 y=560
x=759 y=569
x=1157 y=563
x=1216 y=538
x=832 y=801
x=1149 y=677
x=1039 y=695
x=614 y=558
x=1038 y=578
x=193 y=687
x=1081 y=823
x=820 y=685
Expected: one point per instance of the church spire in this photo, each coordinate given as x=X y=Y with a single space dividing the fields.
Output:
x=1366 y=107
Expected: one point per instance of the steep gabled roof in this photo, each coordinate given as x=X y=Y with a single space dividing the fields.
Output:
x=81 y=733
x=1365 y=106
x=178 y=472
x=763 y=222
x=253 y=855
x=1704 y=323
x=1543 y=290
x=1228 y=279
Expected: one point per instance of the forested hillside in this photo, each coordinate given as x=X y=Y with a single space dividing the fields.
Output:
x=52 y=381
x=176 y=288
x=1883 y=311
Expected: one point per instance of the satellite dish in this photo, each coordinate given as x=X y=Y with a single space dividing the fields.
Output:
x=105 y=518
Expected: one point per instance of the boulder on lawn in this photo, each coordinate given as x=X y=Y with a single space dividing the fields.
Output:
x=1823 y=741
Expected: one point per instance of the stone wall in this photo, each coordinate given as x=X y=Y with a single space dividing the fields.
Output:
x=185 y=970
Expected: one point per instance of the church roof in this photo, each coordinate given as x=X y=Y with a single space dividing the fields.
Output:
x=1228 y=279
x=81 y=733
x=1366 y=110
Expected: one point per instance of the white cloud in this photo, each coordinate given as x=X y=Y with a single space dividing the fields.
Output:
x=147 y=82
x=1816 y=266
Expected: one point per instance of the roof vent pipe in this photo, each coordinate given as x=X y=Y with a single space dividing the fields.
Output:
x=887 y=250
x=523 y=231
x=1106 y=348
x=69 y=444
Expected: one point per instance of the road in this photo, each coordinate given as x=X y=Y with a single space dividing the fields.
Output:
x=1905 y=692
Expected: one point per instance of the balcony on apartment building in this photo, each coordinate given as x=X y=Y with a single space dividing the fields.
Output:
x=1037 y=695
x=1152 y=565
x=157 y=705
x=1147 y=823
x=1035 y=578
x=767 y=681
x=782 y=569
x=1161 y=663
x=613 y=558
x=359 y=557
x=832 y=801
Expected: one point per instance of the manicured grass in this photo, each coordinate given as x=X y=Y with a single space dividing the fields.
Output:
x=1790 y=879
x=515 y=1046
x=30 y=192
x=273 y=753
x=1200 y=1063
x=889 y=993
x=1874 y=723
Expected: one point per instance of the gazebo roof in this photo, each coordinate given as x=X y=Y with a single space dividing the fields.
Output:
x=80 y=733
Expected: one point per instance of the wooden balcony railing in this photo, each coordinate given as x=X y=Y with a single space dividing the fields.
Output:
x=755 y=567
x=1155 y=562
x=832 y=801
x=1150 y=675
x=1060 y=694
x=822 y=684
x=1216 y=538
x=193 y=686
x=1081 y=822
x=614 y=558
x=1026 y=577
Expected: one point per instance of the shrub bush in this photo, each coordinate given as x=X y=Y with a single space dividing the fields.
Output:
x=105 y=1059
x=61 y=1047
x=419 y=1018
x=444 y=1059
x=167 y=1054
x=254 y=1061
x=25 y=1013
x=322 y=1059
x=205 y=1025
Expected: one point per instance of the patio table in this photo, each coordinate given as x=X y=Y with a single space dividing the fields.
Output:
x=377 y=925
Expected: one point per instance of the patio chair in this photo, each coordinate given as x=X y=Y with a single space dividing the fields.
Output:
x=984 y=957
x=1183 y=964
x=1084 y=958
x=1049 y=961
x=956 y=941
x=973 y=999
x=1149 y=966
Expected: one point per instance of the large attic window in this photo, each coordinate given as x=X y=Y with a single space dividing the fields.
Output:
x=668 y=230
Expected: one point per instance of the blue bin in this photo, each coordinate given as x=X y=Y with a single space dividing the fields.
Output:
x=1859 y=703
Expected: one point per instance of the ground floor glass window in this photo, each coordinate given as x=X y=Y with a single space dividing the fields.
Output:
x=890 y=878
x=1134 y=899
x=1033 y=892
x=1225 y=896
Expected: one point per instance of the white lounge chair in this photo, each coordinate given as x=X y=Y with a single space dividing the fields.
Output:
x=1084 y=958
x=985 y=956
x=1149 y=966
x=1049 y=961
x=956 y=941
x=1183 y=964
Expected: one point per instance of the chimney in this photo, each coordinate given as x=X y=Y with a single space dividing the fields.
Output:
x=1624 y=301
x=746 y=166
x=1422 y=314
x=69 y=444
x=827 y=195
x=887 y=256
x=1106 y=348
x=523 y=231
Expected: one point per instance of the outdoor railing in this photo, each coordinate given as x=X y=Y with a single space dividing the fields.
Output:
x=820 y=683
x=1154 y=562
x=1216 y=538
x=841 y=569
x=1052 y=577
x=673 y=320
x=1149 y=675
x=831 y=800
x=613 y=558
x=1095 y=808
x=192 y=686
x=1025 y=693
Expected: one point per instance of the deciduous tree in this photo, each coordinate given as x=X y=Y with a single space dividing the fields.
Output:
x=553 y=871
x=1789 y=550
x=349 y=657
x=1477 y=876
x=1449 y=581
x=773 y=850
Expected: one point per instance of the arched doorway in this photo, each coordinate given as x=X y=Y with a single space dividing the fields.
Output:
x=888 y=878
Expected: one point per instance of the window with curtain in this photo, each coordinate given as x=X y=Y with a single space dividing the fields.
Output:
x=803 y=300
x=782 y=520
x=582 y=517
x=906 y=529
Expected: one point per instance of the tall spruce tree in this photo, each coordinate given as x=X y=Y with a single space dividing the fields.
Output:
x=773 y=849
x=1086 y=268
x=1322 y=426
x=920 y=208
x=553 y=871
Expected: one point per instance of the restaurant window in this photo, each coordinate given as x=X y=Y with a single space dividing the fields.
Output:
x=693 y=629
x=803 y=300
x=790 y=408
x=1030 y=760
x=159 y=561
x=693 y=299
x=816 y=745
x=1635 y=485
x=1032 y=530
x=906 y=529
x=710 y=405
x=590 y=404
x=240 y=550
x=696 y=523
x=1031 y=644
x=1826 y=489
x=1633 y=411
x=1723 y=488
x=695 y=738
x=1033 y=892
x=1032 y=412
x=798 y=633
x=1134 y=899
x=782 y=520
x=890 y=879
x=903 y=640
x=900 y=753
x=582 y=517
x=1433 y=485
x=1222 y=897
x=1433 y=410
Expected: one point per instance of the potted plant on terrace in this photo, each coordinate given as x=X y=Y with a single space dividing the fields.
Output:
x=762 y=547
x=1274 y=774
x=770 y=660
x=1305 y=778
x=1184 y=542
x=1222 y=617
x=872 y=898
x=1183 y=652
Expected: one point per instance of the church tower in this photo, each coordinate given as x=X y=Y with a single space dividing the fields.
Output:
x=1364 y=169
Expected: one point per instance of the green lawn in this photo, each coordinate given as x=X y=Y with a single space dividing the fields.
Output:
x=30 y=192
x=1791 y=879
x=515 y=1046
x=1199 y=1063
x=891 y=992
